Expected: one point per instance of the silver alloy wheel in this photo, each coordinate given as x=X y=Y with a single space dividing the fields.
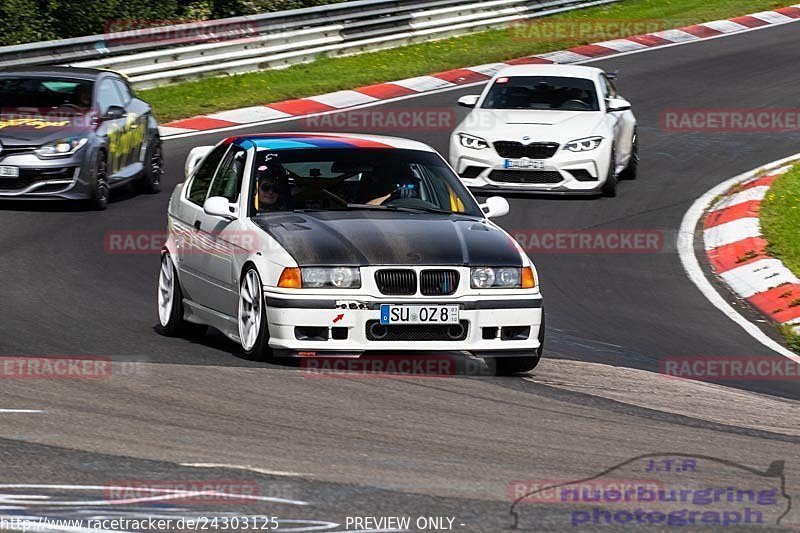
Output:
x=166 y=290
x=250 y=302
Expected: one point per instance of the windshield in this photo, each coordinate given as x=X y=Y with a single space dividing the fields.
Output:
x=38 y=94
x=367 y=178
x=542 y=93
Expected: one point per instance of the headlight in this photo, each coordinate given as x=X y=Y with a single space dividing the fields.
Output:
x=502 y=278
x=470 y=141
x=62 y=147
x=335 y=277
x=583 y=145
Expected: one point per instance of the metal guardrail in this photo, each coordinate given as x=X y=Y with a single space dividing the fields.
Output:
x=169 y=54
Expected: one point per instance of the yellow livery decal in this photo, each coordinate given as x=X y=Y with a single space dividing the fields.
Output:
x=36 y=123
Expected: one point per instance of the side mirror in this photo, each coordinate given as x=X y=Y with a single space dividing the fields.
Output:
x=495 y=206
x=114 y=112
x=617 y=104
x=218 y=206
x=195 y=156
x=470 y=100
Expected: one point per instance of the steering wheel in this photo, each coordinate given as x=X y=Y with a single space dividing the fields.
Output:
x=572 y=104
x=67 y=104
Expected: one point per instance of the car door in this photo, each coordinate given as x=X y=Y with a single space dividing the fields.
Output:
x=187 y=223
x=135 y=136
x=111 y=106
x=624 y=125
x=219 y=239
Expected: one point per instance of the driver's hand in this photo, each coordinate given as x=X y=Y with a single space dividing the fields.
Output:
x=379 y=201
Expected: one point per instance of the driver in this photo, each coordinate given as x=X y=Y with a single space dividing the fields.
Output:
x=273 y=184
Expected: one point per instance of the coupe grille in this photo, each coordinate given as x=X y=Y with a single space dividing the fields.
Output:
x=396 y=282
x=438 y=282
x=417 y=332
x=526 y=176
x=516 y=150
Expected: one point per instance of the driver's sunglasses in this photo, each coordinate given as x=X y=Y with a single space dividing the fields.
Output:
x=269 y=187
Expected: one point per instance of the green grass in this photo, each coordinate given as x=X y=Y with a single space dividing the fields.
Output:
x=328 y=74
x=780 y=219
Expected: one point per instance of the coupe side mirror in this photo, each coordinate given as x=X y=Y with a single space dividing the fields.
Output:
x=218 y=206
x=617 y=104
x=470 y=100
x=495 y=206
x=114 y=112
x=195 y=156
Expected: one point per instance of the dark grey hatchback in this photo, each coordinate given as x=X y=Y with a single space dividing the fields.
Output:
x=74 y=133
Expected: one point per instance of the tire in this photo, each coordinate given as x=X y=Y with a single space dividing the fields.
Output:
x=610 y=186
x=509 y=366
x=170 y=317
x=101 y=190
x=150 y=180
x=632 y=170
x=253 y=314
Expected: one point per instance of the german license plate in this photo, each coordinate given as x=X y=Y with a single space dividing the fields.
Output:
x=9 y=172
x=419 y=314
x=524 y=163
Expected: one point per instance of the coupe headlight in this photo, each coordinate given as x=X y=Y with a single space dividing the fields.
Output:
x=470 y=141
x=62 y=147
x=502 y=278
x=583 y=145
x=335 y=277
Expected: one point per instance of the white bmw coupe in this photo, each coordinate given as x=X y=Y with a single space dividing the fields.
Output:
x=546 y=128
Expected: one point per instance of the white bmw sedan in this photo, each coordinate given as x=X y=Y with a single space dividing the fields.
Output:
x=546 y=128
x=320 y=245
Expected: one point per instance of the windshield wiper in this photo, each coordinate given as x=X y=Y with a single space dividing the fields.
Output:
x=398 y=208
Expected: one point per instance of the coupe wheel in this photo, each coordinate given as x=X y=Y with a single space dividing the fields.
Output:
x=170 y=303
x=253 y=326
x=100 y=188
x=509 y=366
x=150 y=180
x=632 y=170
x=610 y=186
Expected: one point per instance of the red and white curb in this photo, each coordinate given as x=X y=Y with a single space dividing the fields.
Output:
x=363 y=96
x=737 y=251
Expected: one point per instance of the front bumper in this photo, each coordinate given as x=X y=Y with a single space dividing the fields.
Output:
x=565 y=172
x=45 y=178
x=490 y=325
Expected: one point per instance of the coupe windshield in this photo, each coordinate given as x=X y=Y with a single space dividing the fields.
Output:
x=366 y=178
x=36 y=93
x=543 y=93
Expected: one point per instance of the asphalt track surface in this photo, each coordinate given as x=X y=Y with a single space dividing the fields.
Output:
x=353 y=446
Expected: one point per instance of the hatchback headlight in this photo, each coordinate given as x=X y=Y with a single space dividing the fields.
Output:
x=62 y=147
x=334 y=277
x=583 y=145
x=470 y=141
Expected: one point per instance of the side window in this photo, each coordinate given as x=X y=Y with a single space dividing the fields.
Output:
x=204 y=174
x=228 y=181
x=604 y=87
x=108 y=95
x=124 y=91
x=612 y=89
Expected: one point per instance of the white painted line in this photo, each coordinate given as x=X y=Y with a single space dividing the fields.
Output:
x=725 y=26
x=246 y=115
x=622 y=45
x=423 y=83
x=773 y=17
x=563 y=56
x=758 y=276
x=340 y=99
x=33 y=411
x=171 y=131
x=731 y=232
x=753 y=194
x=676 y=36
x=249 y=468
x=489 y=69
x=195 y=133
x=695 y=272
